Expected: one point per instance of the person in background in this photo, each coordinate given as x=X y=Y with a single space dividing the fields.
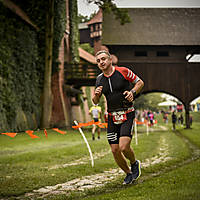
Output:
x=120 y=87
x=95 y=112
x=181 y=119
x=191 y=119
x=151 y=117
x=174 y=118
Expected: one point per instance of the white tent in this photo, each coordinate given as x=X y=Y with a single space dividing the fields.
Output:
x=167 y=103
x=197 y=100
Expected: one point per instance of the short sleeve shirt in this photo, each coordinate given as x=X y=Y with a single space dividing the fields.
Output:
x=115 y=85
x=95 y=110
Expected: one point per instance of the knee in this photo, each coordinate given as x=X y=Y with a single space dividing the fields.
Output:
x=124 y=148
x=115 y=150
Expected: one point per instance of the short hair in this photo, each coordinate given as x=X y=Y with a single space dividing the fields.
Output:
x=103 y=51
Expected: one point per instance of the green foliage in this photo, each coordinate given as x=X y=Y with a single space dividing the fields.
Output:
x=149 y=102
x=59 y=28
x=87 y=47
x=74 y=33
x=83 y=19
x=19 y=72
x=22 y=53
x=109 y=6
x=89 y=98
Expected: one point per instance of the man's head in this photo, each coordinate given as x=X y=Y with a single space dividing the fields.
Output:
x=103 y=51
x=103 y=59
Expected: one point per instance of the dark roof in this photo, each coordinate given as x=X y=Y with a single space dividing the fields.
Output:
x=154 y=26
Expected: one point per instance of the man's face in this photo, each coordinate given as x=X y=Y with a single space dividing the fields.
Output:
x=103 y=61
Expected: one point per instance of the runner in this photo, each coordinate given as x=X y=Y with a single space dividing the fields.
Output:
x=95 y=111
x=120 y=87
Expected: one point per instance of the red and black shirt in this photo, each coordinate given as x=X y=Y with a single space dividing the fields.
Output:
x=115 y=85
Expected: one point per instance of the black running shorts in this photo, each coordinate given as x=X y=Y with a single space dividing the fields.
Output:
x=115 y=131
x=96 y=119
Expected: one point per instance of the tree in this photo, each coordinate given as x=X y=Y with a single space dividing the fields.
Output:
x=149 y=101
x=47 y=95
x=74 y=32
x=83 y=19
x=109 y=6
x=87 y=47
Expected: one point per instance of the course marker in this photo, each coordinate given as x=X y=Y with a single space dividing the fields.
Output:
x=88 y=146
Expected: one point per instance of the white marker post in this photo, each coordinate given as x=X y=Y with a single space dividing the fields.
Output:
x=147 y=124
x=136 y=140
x=88 y=146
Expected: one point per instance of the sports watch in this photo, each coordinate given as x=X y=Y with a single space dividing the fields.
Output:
x=134 y=93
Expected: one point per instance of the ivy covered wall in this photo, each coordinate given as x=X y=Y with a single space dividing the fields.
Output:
x=74 y=32
x=22 y=50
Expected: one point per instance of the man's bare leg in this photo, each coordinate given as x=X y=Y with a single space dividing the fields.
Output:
x=93 y=131
x=99 y=131
x=125 y=148
x=119 y=158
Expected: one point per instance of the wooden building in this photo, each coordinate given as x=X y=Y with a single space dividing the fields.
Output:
x=155 y=45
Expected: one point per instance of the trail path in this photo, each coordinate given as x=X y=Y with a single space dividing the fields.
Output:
x=96 y=180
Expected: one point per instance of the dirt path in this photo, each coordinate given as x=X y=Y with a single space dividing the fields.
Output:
x=81 y=161
x=97 y=180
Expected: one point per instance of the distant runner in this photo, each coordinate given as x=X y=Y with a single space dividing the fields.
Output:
x=95 y=111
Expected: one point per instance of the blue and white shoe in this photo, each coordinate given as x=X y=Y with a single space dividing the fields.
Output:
x=136 y=169
x=128 y=179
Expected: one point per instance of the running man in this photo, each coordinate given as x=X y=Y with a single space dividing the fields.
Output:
x=120 y=87
x=95 y=111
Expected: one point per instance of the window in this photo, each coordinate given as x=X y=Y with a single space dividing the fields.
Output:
x=91 y=28
x=140 y=53
x=96 y=27
x=162 y=53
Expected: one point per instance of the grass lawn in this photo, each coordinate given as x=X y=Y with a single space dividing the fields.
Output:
x=168 y=171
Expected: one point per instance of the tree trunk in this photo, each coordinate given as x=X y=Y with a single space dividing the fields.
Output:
x=47 y=94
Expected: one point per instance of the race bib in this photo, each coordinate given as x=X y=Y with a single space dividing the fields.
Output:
x=119 y=117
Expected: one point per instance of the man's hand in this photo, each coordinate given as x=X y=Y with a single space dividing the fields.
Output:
x=128 y=96
x=97 y=94
x=98 y=91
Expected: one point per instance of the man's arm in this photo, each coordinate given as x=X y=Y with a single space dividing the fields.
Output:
x=138 y=87
x=97 y=94
x=130 y=95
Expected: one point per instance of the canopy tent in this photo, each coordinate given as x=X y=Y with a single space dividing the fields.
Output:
x=194 y=102
x=167 y=103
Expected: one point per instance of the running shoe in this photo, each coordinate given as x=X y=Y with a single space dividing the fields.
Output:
x=128 y=179
x=136 y=169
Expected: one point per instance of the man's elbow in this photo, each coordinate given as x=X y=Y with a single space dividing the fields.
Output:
x=141 y=83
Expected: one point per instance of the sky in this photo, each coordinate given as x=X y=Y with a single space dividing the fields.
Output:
x=86 y=9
